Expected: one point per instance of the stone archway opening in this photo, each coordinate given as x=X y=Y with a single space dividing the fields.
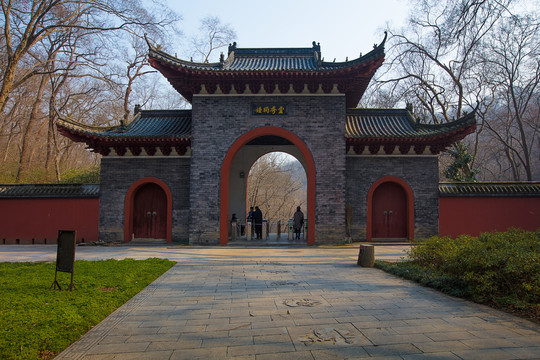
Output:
x=238 y=163
x=277 y=184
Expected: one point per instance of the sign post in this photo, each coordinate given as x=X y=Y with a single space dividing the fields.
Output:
x=65 y=256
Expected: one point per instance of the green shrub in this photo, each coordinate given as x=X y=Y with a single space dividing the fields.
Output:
x=427 y=277
x=499 y=267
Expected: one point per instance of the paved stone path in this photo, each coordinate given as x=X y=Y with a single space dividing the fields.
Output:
x=294 y=303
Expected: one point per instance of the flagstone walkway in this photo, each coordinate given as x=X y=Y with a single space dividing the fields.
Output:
x=295 y=303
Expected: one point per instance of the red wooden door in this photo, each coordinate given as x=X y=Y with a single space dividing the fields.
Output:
x=150 y=212
x=389 y=211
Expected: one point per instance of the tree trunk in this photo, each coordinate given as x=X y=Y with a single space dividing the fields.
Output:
x=24 y=158
x=366 y=256
x=7 y=84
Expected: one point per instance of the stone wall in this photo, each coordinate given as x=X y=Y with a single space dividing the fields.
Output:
x=217 y=121
x=419 y=172
x=117 y=176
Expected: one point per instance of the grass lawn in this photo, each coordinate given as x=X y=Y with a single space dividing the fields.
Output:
x=38 y=323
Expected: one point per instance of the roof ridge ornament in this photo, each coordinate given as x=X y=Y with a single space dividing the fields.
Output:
x=384 y=40
x=150 y=46
x=232 y=48
x=409 y=107
x=375 y=46
x=317 y=53
x=148 y=42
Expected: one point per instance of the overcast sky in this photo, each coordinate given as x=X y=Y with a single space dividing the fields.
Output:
x=344 y=28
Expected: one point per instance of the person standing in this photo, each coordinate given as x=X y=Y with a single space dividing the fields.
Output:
x=258 y=219
x=298 y=221
x=250 y=219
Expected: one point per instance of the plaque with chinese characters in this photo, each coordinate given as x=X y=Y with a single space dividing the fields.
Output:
x=269 y=109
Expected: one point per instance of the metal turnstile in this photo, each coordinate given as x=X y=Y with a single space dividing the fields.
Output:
x=249 y=230
x=291 y=230
x=265 y=229
x=234 y=231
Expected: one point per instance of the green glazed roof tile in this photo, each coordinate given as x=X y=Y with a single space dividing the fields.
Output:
x=49 y=191
x=269 y=59
x=395 y=124
x=148 y=124
x=530 y=188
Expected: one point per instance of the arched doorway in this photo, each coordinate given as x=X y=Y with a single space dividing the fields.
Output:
x=390 y=210
x=148 y=210
x=265 y=133
x=277 y=184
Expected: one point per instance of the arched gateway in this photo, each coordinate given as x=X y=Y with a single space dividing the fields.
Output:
x=271 y=97
x=226 y=167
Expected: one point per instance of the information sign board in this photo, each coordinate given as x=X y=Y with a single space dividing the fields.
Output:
x=65 y=255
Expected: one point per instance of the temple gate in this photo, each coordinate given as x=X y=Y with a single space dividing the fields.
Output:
x=369 y=161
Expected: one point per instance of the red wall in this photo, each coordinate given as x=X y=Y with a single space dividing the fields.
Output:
x=475 y=215
x=40 y=219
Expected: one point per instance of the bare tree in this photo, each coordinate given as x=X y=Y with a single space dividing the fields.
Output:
x=26 y=23
x=137 y=66
x=213 y=36
x=276 y=186
x=435 y=57
x=512 y=66
x=72 y=48
x=436 y=64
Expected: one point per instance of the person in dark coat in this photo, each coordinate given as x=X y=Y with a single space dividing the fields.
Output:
x=298 y=222
x=250 y=218
x=258 y=219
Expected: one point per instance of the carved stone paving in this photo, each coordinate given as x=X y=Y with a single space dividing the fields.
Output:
x=301 y=302
x=284 y=283
x=273 y=263
x=276 y=271
x=330 y=335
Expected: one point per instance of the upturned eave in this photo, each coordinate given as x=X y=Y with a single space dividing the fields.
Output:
x=403 y=135
x=270 y=75
x=105 y=139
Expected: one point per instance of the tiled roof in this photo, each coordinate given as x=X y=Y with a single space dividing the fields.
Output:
x=276 y=70
x=276 y=61
x=148 y=124
x=151 y=130
x=269 y=59
x=531 y=188
x=49 y=191
x=395 y=124
x=396 y=132
x=371 y=128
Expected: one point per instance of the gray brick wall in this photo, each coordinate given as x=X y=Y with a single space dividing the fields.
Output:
x=117 y=176
x=217 y=122
x=319 y=121
x=420 y=172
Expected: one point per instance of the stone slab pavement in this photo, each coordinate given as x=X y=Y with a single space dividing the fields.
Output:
x=288 y=303
x=22 y=253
